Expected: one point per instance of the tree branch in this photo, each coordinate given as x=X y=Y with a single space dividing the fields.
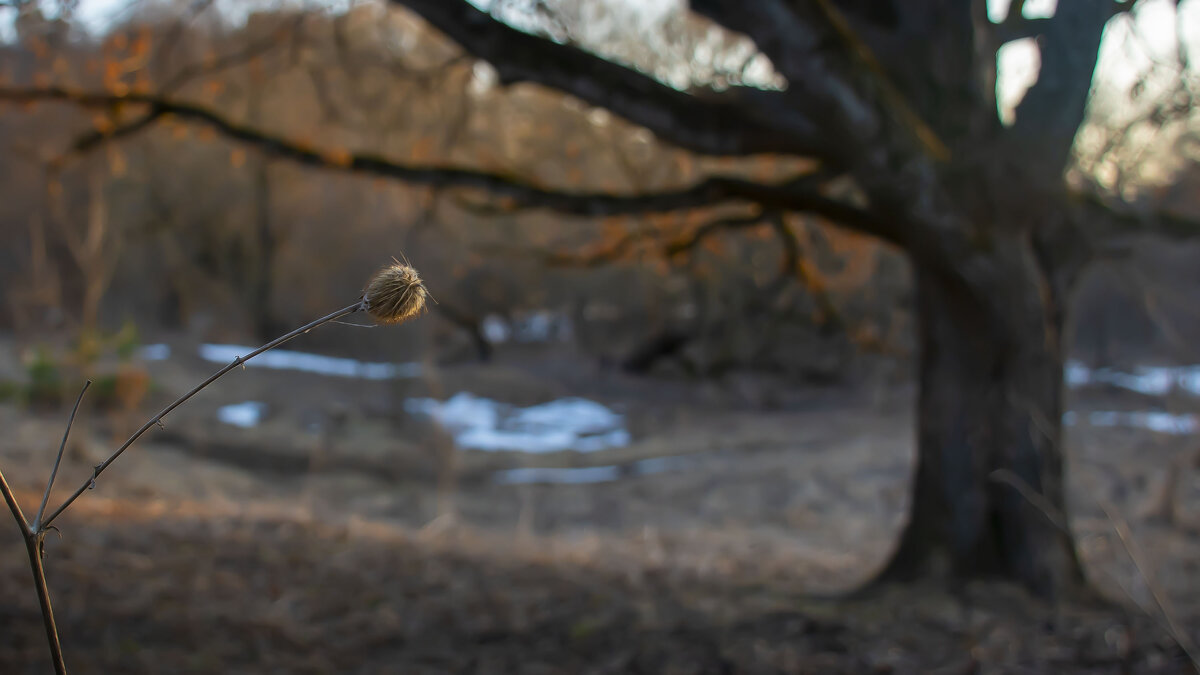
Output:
x=621 y=249
x=799 y=193
x=1052 y=110
x=740 y=121
x=1018 y=29
x=1109 y=220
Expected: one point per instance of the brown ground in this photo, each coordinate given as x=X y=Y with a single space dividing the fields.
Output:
x=320 y=542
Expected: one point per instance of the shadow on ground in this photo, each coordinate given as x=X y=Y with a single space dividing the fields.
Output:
x=195 y=591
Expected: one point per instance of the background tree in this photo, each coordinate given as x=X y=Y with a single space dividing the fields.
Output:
x=900 y=98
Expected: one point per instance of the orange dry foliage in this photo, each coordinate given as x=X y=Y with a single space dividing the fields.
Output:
x=116 y=162
x=38 y=47
x=423 y=149
x=338 y=157
x=103 y=123
x=141 y=44
x=858 y=255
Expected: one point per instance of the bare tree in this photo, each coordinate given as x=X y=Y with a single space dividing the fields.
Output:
x=900 y=97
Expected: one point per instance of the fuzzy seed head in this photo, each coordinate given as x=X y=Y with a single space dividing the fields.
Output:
x=395 y=294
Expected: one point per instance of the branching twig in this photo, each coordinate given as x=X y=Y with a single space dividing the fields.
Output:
x=157 y=419
x=394 y=295
x=33 y=546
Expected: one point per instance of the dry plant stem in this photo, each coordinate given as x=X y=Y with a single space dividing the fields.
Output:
x=33 y=547
x=1177 y=632
x=33 y=544
x=157 y=419
x=37 y=520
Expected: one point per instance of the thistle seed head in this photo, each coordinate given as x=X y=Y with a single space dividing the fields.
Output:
x=395 y=294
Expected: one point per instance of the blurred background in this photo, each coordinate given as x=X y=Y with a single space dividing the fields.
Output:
x=628 y=442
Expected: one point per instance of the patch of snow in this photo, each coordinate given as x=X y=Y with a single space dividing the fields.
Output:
x=495 y=329
x=1158 y=421
x=1150 y=380
x=566 y=424
x=574 y=476
x=245 y=415
x=283 y=359
x=578 y=414
x=535 y=327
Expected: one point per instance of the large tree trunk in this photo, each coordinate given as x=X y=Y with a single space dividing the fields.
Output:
x=988 y=489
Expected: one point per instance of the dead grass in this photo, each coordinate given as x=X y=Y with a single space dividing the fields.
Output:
x=201 y=589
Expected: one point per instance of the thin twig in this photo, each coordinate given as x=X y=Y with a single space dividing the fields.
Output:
x=14 y=507
x=58 y=460
x=1036 y=499
x=99 y=468
x=1177 y=632
x=33 y=547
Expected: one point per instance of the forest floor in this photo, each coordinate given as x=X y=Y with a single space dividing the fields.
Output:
x=343 y=535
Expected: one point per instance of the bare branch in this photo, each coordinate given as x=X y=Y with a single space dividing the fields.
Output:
x=37 y=520
x=183 y=76
x=14 y=507
x=157 y=419
x=1109 y=220
x=1018 y=29
x=795 y=194
x=33 y=546
x=1052 y=110
x=740 y=121
x=621 y=249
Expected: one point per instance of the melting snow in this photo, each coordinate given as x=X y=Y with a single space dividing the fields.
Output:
x=1151 y=380
x=245 y=415
x=282 y=359
x=587 y=474
x=1153 y=420
x=538 y=326
x=495 y=329
x=566 y=424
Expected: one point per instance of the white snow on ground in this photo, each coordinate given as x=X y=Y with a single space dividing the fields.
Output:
x=575 y=476
x=1152 y=420
x=566 y=424
x=1152 y=380
x=535 y=327
x=283 y=359
x=246 y=414
x=495 y=329
x=1149 y=380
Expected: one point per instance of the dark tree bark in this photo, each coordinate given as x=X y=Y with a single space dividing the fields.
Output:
x=988 y=489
